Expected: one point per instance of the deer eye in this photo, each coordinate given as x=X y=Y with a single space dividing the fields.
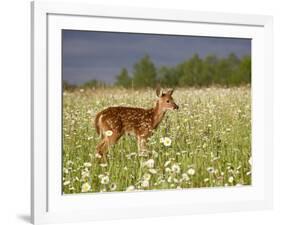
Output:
x=168 y=101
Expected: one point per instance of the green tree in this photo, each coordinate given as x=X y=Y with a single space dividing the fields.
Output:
x=196 y=71
x=233 y=64
x=191 y=72
x=144 y=74
x=245 y=70
x=222 y=72
x=123 y=79
x=210 y=69
x=168 y=76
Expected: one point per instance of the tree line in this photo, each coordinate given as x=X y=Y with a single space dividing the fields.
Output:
x=196 y=71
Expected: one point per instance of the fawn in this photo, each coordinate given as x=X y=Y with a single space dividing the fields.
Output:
x=113 y=122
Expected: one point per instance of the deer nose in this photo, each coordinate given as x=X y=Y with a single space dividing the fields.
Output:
x=176 y=107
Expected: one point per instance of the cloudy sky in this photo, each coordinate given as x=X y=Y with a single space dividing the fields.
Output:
x=91 y=55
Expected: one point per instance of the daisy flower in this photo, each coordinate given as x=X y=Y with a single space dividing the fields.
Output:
x=108 y=133
x=149 y=163
x=250 y=160
x=211 y=169
x=230 y=179
x=167 y=141
x=66 y=183
x=87 y=164
x=152 y=171
x=130 y=188
x=146 y=176
x=167 y=163
x=191 y=171
x=85 y=174
x=176 y=168
x=145 y=183
x=86 y=187
x=168 y=170
x=97 y=155
x=104 y=180
x=185 y=177
x=113 y=187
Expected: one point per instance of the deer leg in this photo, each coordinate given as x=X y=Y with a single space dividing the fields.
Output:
x=139 y=144
x=112 y=139
x=103 y=146
x=143 y=144
x=142 y=148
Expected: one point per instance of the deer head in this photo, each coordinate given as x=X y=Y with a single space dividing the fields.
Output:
x=165 y=100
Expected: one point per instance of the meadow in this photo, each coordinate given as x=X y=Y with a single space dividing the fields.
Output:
x=206 y=143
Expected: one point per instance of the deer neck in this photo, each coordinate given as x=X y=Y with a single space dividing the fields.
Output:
x=158 y=115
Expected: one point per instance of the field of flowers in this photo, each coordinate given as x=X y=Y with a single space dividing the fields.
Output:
x=206 y=143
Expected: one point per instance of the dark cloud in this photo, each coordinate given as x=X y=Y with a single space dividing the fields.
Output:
x=100 y=55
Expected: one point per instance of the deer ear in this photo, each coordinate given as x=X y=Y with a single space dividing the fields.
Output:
x=158 y=91
x=170 y=92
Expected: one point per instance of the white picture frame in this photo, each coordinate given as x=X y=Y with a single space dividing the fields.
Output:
x=48 y=205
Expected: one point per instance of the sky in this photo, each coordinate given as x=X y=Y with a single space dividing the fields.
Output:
x=89 y=55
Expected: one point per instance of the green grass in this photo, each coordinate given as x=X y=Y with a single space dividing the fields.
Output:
x=210 y=133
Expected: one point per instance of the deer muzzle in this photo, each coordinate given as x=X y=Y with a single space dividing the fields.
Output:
x=176 y=106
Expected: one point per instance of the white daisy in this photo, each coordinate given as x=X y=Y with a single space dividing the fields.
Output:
x=230 y=179
x=167 y=163
x=66 y=183
x=176 y=180
x=65 y=170
x=149 y=163
x=176 y=168
x=97 y=155
x=86 y=187
x=211 y=169
x=130 y=188
x=69 y=163
x=108 y=133
x=185 y=177
x=250 y=160
x=146 y=176
x=113 y=187
x=191 y=171
x=145 y=183
x=167 y=141
x=105 y=180
x=169 y=179
x=168 y=170
x=85 y=174
x=87 y=164
x=152 y=171
x=103 y=165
